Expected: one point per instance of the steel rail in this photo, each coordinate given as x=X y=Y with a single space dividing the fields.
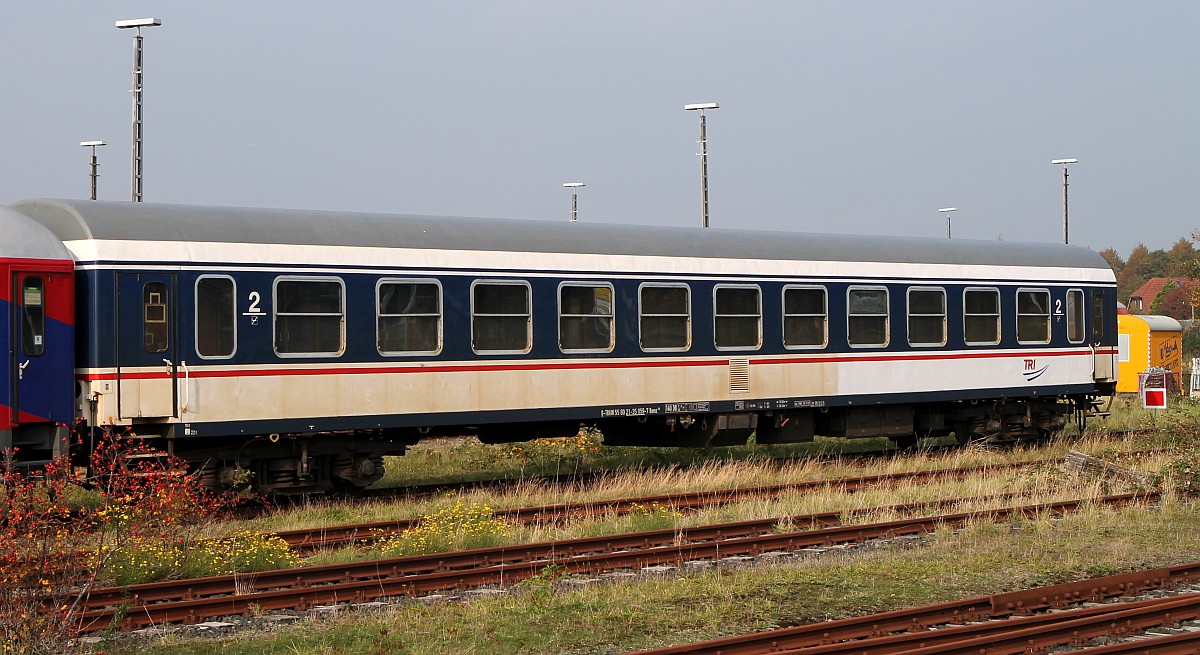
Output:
x=1187 y=643
x=1017 y=603
x=458 y=560
x=508 y=565
x=313 y=538
x=1042 y=629
x=1121 y=623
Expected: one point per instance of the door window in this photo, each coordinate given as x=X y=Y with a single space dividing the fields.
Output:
x=155 y=329
x=33 y=316
x=1075 y=311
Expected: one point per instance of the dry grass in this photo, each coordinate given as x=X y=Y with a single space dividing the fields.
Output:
x=1039 y=483
x=982 y=558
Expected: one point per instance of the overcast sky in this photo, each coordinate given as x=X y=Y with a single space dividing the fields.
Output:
x=853 y=117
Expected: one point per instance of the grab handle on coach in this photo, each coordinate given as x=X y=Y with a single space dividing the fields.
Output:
x=183 y=391
x=186 y=398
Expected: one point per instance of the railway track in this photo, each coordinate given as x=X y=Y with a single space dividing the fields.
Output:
x=572 y=479
x=308 y=539
x=190 y=601
x=1003 y=624
x=254 y=508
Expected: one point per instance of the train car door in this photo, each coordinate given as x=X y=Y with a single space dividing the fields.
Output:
x=147 y=342
x=8 y=351
x=43 y=370
x=1103 y=312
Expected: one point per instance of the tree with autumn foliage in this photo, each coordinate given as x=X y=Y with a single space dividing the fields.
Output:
x=1114 y=260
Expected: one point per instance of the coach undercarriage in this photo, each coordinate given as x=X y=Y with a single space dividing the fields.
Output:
x=999 y=422
x=322 y=462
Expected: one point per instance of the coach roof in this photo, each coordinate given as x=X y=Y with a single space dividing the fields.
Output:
x=23 y=238
x=76 y=220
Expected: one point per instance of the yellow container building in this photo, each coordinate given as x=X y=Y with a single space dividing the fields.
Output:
x=1147 y=342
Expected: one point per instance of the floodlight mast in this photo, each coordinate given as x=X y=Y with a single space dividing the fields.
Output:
x=95 y=164
x=135 y=174
x=574 y=187
x=1064 y=163
x=701 y=106
x=947 y=211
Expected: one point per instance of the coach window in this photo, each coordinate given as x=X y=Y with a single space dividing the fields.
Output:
x=805 y=317
x=664 y=316
x=737 y=317
x=501 y=321
x=1097 y=317
x=310 y=317
x=585 y=317
x=867 y=316
x=409 y=317
x=1033 y=316
x=216 y=330
x=926 y=317
x=981 y=316
x=155 y=332
x=33 y=315
x=1075 y=310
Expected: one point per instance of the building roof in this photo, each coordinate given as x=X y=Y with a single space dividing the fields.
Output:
x=1152 y=287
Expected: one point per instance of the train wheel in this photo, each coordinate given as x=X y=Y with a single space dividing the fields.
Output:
x=355 y=472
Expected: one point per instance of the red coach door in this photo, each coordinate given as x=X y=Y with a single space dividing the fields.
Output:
x=8 y=351
x=43 y=342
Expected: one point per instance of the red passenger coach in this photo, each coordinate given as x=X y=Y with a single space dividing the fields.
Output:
x=37 y=327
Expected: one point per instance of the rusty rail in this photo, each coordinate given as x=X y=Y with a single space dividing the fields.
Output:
x=314 y=538
x=360 y=582
x=918 y=619
x=153 y=592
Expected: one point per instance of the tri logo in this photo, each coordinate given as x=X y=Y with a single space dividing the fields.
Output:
x=1032 y=372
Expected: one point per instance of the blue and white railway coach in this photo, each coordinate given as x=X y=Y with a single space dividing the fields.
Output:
x=302 y=347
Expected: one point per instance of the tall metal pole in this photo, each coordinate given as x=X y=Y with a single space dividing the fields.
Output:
x=574 y=187
x=95 y=163
x=703 y=158
x=1064 y=163
x=135 y=174
x=135 y=180
x=947 y=211
x=1065 y=231
x=703 y=171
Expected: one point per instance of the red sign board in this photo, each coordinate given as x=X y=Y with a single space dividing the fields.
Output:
x=1155 y=399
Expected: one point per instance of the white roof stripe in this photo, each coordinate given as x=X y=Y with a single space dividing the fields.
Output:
x=173 y=254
